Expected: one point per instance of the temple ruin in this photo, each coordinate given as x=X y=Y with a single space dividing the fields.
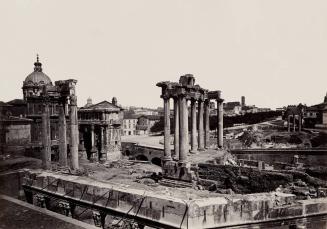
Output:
x=100 y=130
x=182 y=92
x=64 y=94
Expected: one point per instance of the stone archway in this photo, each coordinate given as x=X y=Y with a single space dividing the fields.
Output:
x=141 y=157
x=127 y=153
x=156 y=161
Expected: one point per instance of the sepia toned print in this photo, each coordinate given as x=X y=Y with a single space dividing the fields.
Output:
x=163 y=114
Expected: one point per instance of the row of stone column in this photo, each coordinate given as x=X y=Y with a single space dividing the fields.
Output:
x=200 y=141
x=104 y=134
x=294 y=123
x=74 y=137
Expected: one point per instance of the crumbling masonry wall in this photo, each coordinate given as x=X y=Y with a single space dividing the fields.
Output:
x=175 y=212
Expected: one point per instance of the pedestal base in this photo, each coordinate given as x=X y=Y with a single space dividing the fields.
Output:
x=194 y=151
x=114 y=155
x=103 y=157
x=94 y=157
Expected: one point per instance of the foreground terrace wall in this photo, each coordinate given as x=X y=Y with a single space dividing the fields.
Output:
x=170 y=211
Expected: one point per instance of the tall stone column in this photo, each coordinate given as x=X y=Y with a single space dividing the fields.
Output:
x=74 y=138
x=92 y=136
x=294 y=126
x=183 y=129
x=94 y=150
x=300 y=123
x=200 y=120
x=186 y=126
x=176 y=134
x=206 y=124
x=62 y=136
x=103 y=154
x=167 y=150
x=289 y=123
x=46 y=142
x=220 y=126
x=193 y=132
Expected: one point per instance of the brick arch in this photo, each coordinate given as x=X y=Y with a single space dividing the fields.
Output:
x=141 y=157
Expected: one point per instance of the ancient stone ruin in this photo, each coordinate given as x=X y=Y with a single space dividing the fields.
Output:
x=182 y=92
x=62 y=93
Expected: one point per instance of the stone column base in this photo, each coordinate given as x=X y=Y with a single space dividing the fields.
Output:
x=114 y=155
x=94 y=155
x=103 y=157
x=195 y=151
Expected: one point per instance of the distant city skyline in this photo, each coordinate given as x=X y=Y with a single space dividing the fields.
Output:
x=272 y=52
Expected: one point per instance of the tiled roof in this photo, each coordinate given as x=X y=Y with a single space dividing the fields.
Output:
x=3 y=104
x=17 y=102
x=318 y=107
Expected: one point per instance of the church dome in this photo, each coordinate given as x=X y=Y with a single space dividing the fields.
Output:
x=37 y=78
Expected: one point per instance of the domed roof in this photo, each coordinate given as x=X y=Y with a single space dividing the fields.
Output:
x=37 y=78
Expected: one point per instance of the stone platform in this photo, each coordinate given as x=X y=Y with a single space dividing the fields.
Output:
x=170 y=210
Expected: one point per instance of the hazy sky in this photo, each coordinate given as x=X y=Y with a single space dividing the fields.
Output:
x=273 y=52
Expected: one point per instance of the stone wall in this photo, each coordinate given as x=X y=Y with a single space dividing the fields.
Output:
x=313 y=157
x=242 y=179
x=18 y=134
x=177 y=212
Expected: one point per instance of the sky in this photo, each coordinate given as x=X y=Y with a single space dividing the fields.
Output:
x=272 y=52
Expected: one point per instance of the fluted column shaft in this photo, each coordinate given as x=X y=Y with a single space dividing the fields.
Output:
x=103 y=155
x=62 y=136
x=167 y=150
x=176 y=134
x=74 y=139
x=200 y=124
x=206 y=126
x=183 y=128
x=193 y=132
x=92 y=136
x=46 y=141
x=220 y=126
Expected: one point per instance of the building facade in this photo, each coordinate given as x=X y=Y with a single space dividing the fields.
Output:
x=100 y=130
x=316 y=115
x=129 y=123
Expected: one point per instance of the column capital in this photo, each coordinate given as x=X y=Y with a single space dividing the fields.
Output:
x=206 y=102
x=219 y=100
x=165 y=97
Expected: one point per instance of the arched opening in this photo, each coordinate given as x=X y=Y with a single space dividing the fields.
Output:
x=156 y=161
x=127 y=153
x=141 y=158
